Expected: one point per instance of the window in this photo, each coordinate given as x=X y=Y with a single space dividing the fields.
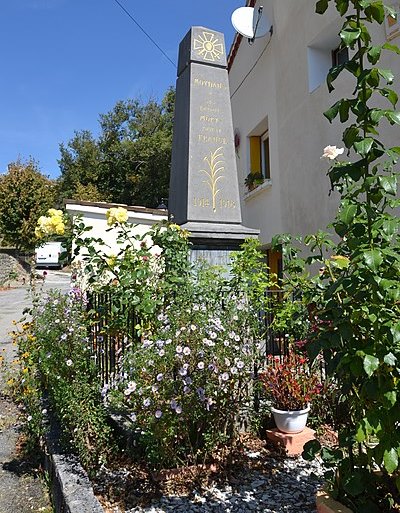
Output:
x=340 y=56
x=260 y=156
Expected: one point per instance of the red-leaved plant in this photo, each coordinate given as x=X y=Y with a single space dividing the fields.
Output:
x=290 y=382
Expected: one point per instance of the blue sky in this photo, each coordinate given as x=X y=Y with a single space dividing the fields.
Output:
x=63 y=62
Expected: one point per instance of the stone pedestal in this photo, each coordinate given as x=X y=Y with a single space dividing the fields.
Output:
x=293 y=443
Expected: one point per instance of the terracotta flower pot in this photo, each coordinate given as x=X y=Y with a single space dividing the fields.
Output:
x=290 y=422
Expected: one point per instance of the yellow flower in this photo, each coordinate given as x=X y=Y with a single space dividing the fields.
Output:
x=24 y=370
x=116 y=215
x=53 y=212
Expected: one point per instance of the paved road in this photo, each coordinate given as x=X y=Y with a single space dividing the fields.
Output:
x=21 y=491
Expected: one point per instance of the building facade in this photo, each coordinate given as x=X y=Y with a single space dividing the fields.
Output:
x=278 y=95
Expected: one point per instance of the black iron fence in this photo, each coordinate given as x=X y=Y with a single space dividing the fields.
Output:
x=111 y=332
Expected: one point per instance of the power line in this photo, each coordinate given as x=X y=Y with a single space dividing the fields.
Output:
x=145 y=33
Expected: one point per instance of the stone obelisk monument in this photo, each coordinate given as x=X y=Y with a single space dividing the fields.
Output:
x=204 y=190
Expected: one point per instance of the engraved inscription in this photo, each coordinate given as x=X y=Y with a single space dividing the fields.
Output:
x=201 y=202
x=214 y=173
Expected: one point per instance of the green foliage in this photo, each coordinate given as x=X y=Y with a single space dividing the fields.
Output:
x=185 y=383
x=130 y=160
x=355 y=297
x=55 y=360
x=25 y=194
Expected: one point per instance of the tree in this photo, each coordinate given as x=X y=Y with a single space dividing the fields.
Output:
x=129 y=162
x=25 y=195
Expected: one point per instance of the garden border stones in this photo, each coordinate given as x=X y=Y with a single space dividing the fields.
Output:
x=71 y=490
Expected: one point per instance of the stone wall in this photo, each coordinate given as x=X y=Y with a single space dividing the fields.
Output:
x=11 y=269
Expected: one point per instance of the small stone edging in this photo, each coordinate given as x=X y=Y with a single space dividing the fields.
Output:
x=71 y=489
x=326 y=504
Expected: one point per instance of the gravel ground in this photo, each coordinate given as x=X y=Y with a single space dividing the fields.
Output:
x=282 y=485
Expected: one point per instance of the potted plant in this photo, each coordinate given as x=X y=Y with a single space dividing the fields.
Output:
x=253 y=180
x=292 y=383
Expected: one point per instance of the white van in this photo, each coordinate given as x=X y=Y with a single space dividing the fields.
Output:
x=49 y=254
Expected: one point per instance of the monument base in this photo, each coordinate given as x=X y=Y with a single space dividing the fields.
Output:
x=227 y=233
x=214 y=242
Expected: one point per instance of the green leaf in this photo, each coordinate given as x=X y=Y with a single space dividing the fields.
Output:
x=342 y=6
x=393 y=117
x=364 y=146
x=390 y=460
x=331 y=113
x=391 y=48
x=395 y=331
x=373 y=258
x=350 y=135
x=350 y=35
x=370 y=363
x=377 y=114
x=321 y=6
x=377 y=12
x=390 y=94
x=347 y=213
x=391 y=397
x=386 y=74
x=373 y=54
x=311 y=449
x=389 y=184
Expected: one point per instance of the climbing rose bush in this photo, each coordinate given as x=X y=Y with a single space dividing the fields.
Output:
x=54 y=223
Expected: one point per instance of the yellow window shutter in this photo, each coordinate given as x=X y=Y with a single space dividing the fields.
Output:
x=255 y=154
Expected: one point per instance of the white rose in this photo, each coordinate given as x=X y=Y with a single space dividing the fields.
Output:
x=331 y=152
x=147 y=241
x=155 y=251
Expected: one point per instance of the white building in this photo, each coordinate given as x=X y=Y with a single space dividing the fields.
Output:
x=93 y=215
x=278 y=94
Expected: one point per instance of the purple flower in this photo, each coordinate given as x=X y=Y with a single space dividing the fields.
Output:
x=146 y=402
x=182 y=371
x=174 y=404
x=158 y=414
x=160 y=376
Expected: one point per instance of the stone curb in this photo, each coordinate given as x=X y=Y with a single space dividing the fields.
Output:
x=71 y=490
x=326 y=504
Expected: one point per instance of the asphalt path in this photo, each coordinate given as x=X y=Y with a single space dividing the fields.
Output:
x=21 y=489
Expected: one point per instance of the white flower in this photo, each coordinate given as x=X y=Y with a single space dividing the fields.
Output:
x=147 y=242
x=69 y=363
x=132 y=417
x=331 y=152
x=178 y=409
x=179 y=349
x=155 y=251
x=158 y=414
x=200 y=365
x=186 y=350
x=131 y=388
x=29 y=418
x=44 y=411
x=160 y=376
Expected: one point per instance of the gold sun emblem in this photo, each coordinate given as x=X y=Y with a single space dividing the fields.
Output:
x=208 y=47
